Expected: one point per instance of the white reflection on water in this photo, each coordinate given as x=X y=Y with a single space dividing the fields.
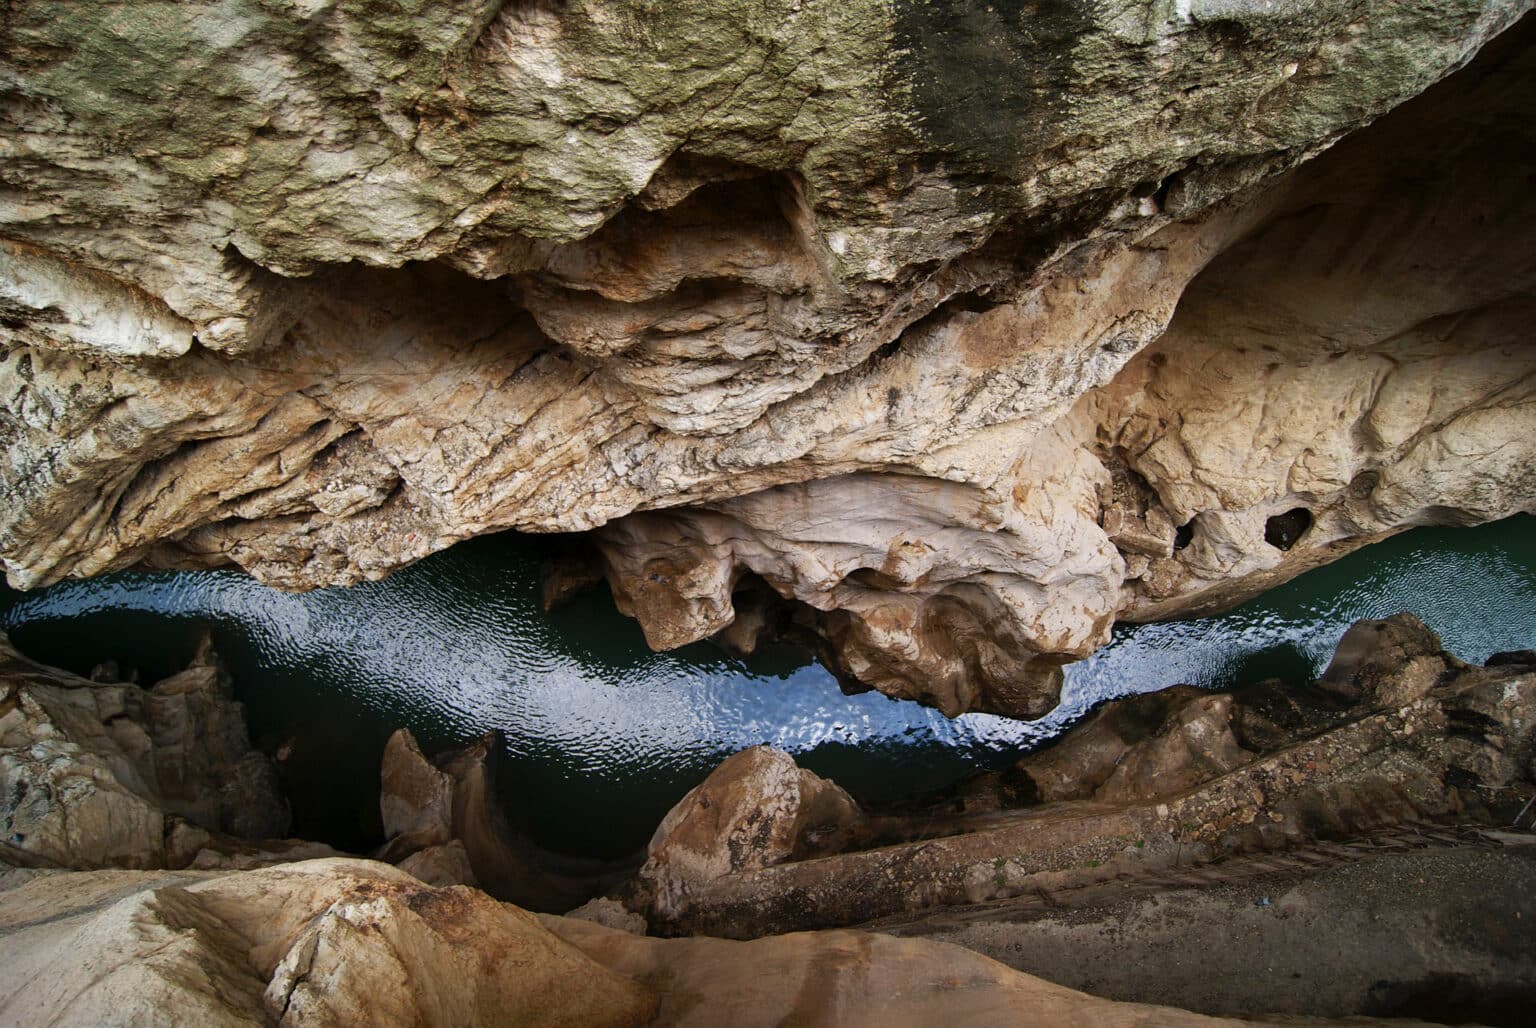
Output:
x=456 y=645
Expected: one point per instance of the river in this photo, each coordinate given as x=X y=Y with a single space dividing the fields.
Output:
x=604 y=735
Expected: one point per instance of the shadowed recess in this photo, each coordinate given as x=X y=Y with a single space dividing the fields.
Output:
x=603 y=735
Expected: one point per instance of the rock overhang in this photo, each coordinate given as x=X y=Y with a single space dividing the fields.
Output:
x=872 y=302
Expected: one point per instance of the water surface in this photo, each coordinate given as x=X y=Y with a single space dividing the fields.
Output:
x=603 y=735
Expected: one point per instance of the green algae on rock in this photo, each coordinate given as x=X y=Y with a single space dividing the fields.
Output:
x=869 y=305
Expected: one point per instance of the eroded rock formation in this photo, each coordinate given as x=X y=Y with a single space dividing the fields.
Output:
x=869 y=305
x=321 y=942
x=445 y=822
x=112 y=774
x=1398 y=732
x=335 y=942
x=755 y=810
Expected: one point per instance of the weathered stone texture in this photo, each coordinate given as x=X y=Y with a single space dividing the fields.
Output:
x=873 y=302
x=342 y=942
x=1399 y=732
x=755 y=810
x=112 y=774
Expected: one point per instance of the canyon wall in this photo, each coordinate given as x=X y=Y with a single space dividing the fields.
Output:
x=945 y=334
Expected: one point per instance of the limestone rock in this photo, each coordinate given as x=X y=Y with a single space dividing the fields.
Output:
x=447 y=864
x=755 y=810
x=415 y=798
x=1162 y=782
x=845 y=978
x=113 y=774
x=1309 y=396
x=322 y=942
x=336 y=942
x=1151 y=745
x=446 y=823
x=1162 y=743
x=872 y=302
x=1387 y=663
x=610 y=913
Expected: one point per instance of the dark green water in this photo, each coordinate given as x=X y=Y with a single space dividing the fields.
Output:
x=603 y=735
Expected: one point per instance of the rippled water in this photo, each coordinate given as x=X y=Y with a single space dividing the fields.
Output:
x=603 y=735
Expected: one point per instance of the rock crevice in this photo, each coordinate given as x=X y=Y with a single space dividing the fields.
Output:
x=743 y=288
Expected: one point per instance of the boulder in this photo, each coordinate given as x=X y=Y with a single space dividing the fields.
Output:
x=415 y=798
x=1387 y=663
x=446 y=864
x=1133 y=749
x=755 y=810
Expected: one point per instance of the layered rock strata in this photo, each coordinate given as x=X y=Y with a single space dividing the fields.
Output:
x=868 y=306
x=445 y=822
x=333 y=942
x=111 y=774
x=1352 y=360
x=1397 y=732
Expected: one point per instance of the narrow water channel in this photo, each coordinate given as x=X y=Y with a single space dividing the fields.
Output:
x=603 y=735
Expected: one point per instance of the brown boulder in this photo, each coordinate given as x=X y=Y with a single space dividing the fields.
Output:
x=1387 y=663
x=755 y=810
x=1133 y=749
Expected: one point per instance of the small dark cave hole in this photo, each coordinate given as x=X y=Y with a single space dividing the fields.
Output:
x=970 y=303
x=1284 y=530
x=1184 y=535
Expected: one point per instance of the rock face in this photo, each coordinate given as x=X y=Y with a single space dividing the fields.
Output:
x=1421 y=928
x=754 y=810
x=870 y=305
x=446 y=823
x=1398 y=732
x=336 y=942
x=110 y=774
x=1162 y=743
x=323 y=942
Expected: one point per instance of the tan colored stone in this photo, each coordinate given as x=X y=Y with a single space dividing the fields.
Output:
x=108 y=774
x=1161 y=781
x=415 y=798
x=776 y=301
x=447 y=864
x=356 y=942
x=755 y=810
x=322 y=942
